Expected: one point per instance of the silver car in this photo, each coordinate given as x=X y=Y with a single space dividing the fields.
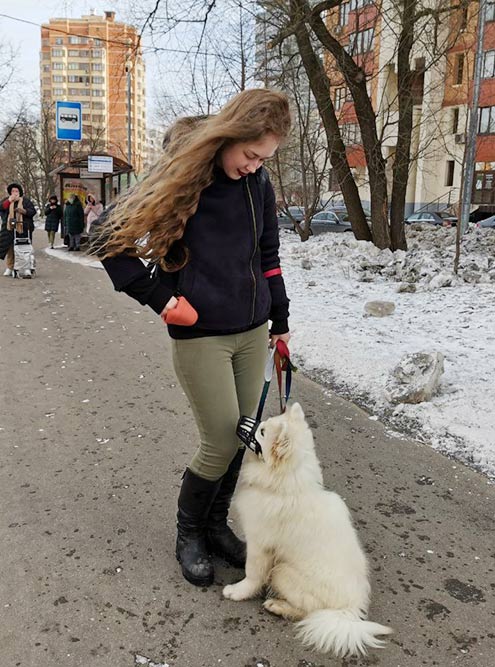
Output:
x=487 y=223
x=329 y=221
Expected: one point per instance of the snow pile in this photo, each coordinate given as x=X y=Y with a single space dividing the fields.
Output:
x=428 y=264
x=441 y=313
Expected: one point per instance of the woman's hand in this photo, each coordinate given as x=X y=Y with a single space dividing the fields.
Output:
x=275 y=337
x=170 y=305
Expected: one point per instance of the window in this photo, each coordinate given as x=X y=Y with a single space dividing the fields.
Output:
x=490 y=10
x=339 y=98
x=455 y=120
x=96 y=53
x=360 y=42
x=97 y=67
x=449 y=173
x=58 y=78
x=97 y=79
x=459 y=69
x=75 y=39
x=58 y=91
x=97 y=42
x=489 y=65
x=79 y=91
x=58 y=66
x=59 y=40
x=344 y=9
x=76 y=78
x=98 y=105
x=351 y=134
x=46 y=68
x=357 y=4
x=57 y=53
x=98 y=93
x=486 y=120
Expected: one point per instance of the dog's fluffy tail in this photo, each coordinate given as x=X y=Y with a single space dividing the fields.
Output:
x=341 y=631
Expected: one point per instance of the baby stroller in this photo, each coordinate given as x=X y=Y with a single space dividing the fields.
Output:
x=24 y=260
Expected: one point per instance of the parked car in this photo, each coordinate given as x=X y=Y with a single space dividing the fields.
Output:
x=438 y=218
x=488 y=223
x=285 y=221
x=329 y=221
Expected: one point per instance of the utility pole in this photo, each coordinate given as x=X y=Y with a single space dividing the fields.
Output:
x=470 y=153
x=129 y=119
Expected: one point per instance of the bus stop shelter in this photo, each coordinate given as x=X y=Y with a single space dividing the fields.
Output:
x=74 y=178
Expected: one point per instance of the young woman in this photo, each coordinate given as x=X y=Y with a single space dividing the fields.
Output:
x=54 y=215
x=206 y=221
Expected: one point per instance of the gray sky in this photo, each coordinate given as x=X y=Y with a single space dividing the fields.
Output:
x=22 y=32
x=176 y=81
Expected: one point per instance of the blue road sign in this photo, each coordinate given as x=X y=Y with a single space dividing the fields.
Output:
x=69 y=121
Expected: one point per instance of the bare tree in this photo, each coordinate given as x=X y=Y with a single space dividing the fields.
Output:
x=405 y=21
x=29 y=155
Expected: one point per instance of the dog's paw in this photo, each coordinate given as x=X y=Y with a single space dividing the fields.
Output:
x=274 y=606
x=239 y=591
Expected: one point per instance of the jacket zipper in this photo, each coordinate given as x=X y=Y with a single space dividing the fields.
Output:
x=253 y=214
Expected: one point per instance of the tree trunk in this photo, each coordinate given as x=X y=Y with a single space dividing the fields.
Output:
x=320 y=86
x=356 y=81
x=402 y=157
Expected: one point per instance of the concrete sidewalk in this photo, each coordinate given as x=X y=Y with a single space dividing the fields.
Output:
x=95 y=433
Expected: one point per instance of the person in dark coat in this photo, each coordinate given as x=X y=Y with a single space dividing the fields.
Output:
x=16 y=211
x=74 y=221
x=54 y=215
x=205 y=220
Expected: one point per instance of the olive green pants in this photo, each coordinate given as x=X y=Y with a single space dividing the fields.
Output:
x=222 y=376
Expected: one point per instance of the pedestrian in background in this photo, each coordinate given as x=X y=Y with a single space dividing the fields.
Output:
x=74 y=221
x=92 y=211
x=16 y=211
x=54 y=215
x=205 y=219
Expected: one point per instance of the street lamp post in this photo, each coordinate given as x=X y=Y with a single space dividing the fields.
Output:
x=470 y=152
x=128 y=67
x=470 y=155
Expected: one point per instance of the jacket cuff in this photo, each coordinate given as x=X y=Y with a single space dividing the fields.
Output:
x=279 y=327
x=159 y=298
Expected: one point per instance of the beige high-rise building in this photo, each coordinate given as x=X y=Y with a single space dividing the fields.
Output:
x=97 y=61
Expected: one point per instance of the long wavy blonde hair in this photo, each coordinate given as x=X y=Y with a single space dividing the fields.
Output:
x=150 y=220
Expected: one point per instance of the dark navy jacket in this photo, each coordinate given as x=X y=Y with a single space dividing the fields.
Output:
x=233 y=240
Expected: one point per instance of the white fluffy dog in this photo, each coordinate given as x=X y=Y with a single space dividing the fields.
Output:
x=301 y=542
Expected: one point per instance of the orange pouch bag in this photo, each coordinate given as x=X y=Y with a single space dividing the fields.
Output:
x=183 y=314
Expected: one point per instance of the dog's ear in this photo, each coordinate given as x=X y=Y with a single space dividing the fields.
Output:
x=281 y=443
x=296 y=412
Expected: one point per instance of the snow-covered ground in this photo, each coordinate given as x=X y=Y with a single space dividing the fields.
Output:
x=333 y=342
x=331 y=277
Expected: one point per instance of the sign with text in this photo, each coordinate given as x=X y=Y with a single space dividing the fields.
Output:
x=85 y=173
x=102 y=164
x=69 y=121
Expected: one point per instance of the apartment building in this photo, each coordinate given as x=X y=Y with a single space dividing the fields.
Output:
x=458 y=92
x=442 y=93
x=97 y=61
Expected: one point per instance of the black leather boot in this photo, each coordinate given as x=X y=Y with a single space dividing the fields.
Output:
x=195 y=499
x=221 y=540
